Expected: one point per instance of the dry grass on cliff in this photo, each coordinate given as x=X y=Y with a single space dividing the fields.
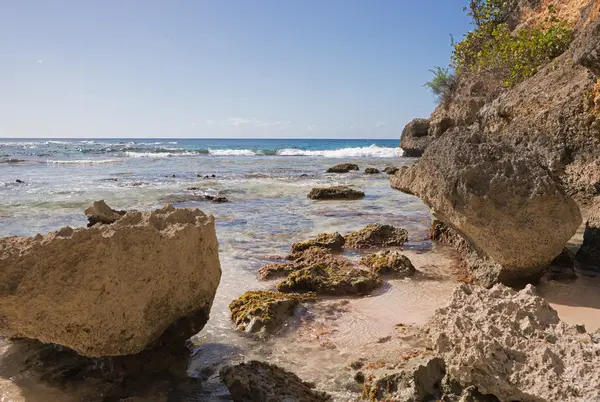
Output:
x=569 y=10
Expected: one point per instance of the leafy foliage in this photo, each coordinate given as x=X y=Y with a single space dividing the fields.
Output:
x=511 y=56
x=443 y=84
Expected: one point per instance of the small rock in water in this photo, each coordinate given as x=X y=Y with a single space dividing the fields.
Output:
x=376 y=235
x=335 y=193
x=343 y=168
x=371 y=171
x=390 y=169
x=19 y=181
x=389 y=262
x=331 y=241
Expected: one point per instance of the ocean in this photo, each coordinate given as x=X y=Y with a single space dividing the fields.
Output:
x=266 y=183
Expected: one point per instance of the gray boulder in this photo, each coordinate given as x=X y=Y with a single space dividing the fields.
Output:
x=415 y=137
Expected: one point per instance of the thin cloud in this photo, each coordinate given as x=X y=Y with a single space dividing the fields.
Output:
x=380 y=124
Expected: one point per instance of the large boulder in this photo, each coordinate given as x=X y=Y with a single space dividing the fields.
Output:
x=503 y=202
x=114 y=289
x=589 y=252
x=513 y=345
x=415 y=138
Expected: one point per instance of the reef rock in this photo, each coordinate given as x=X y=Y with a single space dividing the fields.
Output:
x=330 y=241
x=371 y=171
x=262 y=382
x=512 y=345
x=302 y=259
x=330 y=280
x=343 y=168
x=376 y=235
x=335 y=193
x=388 y=262
x=390 y=169
x=100 y=212
x=589 y=252
x=415 y=137
x=114 y=289
x=258 y=310
x=506 y=205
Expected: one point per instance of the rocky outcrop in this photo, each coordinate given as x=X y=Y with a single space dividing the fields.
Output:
x=261 y=310
x=256 y=381
x=376 y=235
x=415 y=138
x=503 y=202
x=389 y=262
x=330 y=241
x=371 y=170
x=343 y=168
x=100 y=212
x=335 y=193
x=330 y=280
x=589 y=252
x=512 y=345
x=111 y=289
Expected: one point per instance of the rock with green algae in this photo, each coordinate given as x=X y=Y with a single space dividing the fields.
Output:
x=257 y=381
x=335 y=193
x=371 y=170
x=330 y=280
x=303 y=259
x=342 y=168
x=376 y=235
x=258 y=310
x=389 y=262
x=331 y=241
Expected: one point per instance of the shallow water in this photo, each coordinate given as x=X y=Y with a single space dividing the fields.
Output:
x=267 y=212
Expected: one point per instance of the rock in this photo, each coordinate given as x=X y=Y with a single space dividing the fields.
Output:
x=19 y=181
x=376 y=235
x=589 y=252
x=335 y=193
x=100 y=212
x=343 y=168
x=417 y=379
x=389 y=262
x=371 y=171
x=330 y=280
x=562 y=268
x=503 y=202
x=512 y=345
x=111 y=289
x=300 y=260
x=415 y=137
x=390 y=169
x=262 y=382
x=216 y=198
x=330 y=241
x=258 y=310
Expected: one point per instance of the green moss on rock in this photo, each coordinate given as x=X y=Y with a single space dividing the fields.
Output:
x=342 y=168
x=331 y=241
x=330 y=280
x=376 y=235
x=389 y=262
x=258 y=309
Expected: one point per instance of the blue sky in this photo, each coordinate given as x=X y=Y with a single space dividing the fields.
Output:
x=220 y=68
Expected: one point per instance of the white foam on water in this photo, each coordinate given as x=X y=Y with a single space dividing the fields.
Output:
x=83 y=161
x=372 y=151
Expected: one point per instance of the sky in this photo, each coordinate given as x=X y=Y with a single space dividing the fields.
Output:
x=220 y=68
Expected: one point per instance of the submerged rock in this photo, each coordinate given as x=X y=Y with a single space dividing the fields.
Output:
x=376 y=235
x=589 y=252
x=343 y=168
x=330 y=280
x=330 y=241
x=258 y=310
x=415 y=138
x=262 y=382
x=111 y=289
x=389 y=262
x=513 y=345
x=100 y=212
x=335 y=193
x=503 y=202
x=371 y=171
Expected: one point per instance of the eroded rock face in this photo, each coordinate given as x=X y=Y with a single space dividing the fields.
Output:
x=507 y=206
x=262 y=382
x=415 y=138
x=343 y=168
x=100 y=212
x=113 y=289
x=376 y=235
x=335 y=193
x=589 y=252
x=258 y=310
x=512 y=345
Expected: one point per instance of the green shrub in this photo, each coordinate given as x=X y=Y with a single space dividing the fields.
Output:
x=443 y=84
x=510 y=56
